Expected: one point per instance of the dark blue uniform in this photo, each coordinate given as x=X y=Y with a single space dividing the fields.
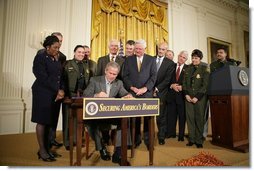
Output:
x=48 y=81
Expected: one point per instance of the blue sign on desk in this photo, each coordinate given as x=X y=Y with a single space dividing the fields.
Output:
x=98 y=108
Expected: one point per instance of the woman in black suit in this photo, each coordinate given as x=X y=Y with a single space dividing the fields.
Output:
x=47 y=90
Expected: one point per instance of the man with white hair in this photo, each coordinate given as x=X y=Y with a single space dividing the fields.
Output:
x=112 y=56
x=175 y=99
x=139 y=77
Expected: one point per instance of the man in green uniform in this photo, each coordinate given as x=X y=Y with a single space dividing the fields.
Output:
x=195 y=85
x=222 y=60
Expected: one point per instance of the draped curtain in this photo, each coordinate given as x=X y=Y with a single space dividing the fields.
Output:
x=127 y=19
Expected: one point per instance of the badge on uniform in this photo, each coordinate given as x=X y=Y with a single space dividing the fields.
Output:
x=198 y=76
x=70 y=69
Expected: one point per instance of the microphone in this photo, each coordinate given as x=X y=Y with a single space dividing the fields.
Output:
x=234 y=61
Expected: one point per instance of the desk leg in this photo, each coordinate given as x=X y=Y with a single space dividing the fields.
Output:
x=79 y=135
x=124 y=141
x=151 y=139
x=70 y=115
x=133 y=125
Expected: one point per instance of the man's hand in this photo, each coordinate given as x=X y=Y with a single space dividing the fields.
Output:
x=141 y=91
x=128 y=96
x=174 y=87
x=155 y=92
x=179 y=88
x=60 y=95
x=101 y=94
x=134 y=89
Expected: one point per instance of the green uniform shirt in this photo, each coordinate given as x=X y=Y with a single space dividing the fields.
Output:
x=196 y=80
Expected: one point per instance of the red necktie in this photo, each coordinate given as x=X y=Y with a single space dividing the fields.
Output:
x=178 y=72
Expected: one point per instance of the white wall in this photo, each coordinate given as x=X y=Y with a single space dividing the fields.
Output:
x=24 y=23
x=192 y=21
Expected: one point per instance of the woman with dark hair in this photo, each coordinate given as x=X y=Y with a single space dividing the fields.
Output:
x=195 y=84
x=47 y=89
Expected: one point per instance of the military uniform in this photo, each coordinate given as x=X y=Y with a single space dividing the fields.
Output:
x=195 y=84
x=76 y=77
x=219 y=64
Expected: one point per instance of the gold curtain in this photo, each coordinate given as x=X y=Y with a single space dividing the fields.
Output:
x=127 y=19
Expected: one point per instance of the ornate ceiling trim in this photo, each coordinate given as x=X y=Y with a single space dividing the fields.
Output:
x=233 y=5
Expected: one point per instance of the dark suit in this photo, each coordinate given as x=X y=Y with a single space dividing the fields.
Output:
x=96 y=85
x=145 y=78
x=176 y=106
x=57 y=105
x=162 y=83
x=103 y=61
x=45 y=88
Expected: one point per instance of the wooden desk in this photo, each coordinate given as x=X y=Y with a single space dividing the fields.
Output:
x=76 y=111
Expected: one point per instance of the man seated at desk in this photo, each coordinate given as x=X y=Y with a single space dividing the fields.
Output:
x=103 y=87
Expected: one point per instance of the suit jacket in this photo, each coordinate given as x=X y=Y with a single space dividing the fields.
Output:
x=61 y=57
x=48 y=73
x=103 y=61
x=164 y=75
x=178 y=97
x=145 y=78
x=195 y=82
x=98 y=84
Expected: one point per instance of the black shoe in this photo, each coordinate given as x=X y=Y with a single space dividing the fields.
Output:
x=67 y=148
x=171 y=136
x=137 y=143
x=116 y=158
x=54 y=154
x=161 y=141
x=180 y=139
x=199 y=145
x=57 y=144
x=190 y=144
x=46 y=159
x=104 y=154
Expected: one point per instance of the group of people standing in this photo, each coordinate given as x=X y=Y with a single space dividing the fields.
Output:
x=181 y=88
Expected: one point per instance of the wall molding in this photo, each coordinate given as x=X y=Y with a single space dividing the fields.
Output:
x=233 y=5
x=11 y=116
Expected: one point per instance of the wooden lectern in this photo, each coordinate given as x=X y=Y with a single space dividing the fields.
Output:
x=229 y=102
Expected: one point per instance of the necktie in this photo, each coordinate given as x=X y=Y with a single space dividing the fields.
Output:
x=178 y=72
x=112 y=58
x=158 y=64
x=108 y=86
x=139 y=65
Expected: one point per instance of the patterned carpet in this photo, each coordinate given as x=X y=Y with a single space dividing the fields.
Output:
x=21 y=149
